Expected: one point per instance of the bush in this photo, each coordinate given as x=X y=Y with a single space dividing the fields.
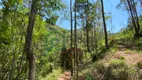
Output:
x=139 y=65
x=47 y=69
x=117 y=70
x=89 y=77
x=117 y=63
x=53 y=76
x=100 y=67
x=133 y=73
x=122 y=58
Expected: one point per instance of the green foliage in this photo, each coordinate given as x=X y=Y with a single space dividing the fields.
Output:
x=117 y=63
x=100 y=67
x=122 y=58
x=126 y=35
x=133 y=73
x=139 y=65
x=13 y=26
x=89 y=77
x=48 y=68
x=117 y=70
x=53 y=76
x=48 y=39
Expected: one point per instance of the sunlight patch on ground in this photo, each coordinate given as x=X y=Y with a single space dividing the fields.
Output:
x=53 y=76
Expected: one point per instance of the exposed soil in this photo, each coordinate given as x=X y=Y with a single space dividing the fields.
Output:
x=65 y=76
x=131 y=58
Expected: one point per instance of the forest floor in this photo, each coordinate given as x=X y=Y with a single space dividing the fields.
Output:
x=131 y=57
x=65 y=76
x=131 y=53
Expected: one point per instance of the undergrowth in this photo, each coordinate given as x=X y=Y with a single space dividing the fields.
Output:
x=54 y=75
x=116 y=70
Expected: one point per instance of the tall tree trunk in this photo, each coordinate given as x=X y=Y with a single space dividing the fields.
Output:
x=71 y=35
x=87 y=39
x=133 y=19
x=87 y=30
x=75 y=41
x=104 y=23
x=136 y=15
x=28 y=42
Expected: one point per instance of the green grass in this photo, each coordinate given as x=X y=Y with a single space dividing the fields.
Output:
x=130 y=51
x=54 y=75
x=117 y=63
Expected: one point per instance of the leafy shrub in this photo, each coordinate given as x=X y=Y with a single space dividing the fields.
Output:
x=122 y=58
x=117 y=70
x=133 y=73
x=53 y=76
x=47 y=69
x=89 y=77
x=139 y=65
x=99 y=67
x=117 y=63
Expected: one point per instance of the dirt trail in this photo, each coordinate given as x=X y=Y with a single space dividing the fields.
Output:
x=65 y=76
x=131 y=58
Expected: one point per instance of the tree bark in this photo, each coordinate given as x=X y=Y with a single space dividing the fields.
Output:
x=87 y=30
x=87 y=36
x=28 y=42
x=104 y=23
x=71 y=35
x=75 y=44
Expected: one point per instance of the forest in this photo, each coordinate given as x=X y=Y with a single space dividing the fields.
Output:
x=35 y=46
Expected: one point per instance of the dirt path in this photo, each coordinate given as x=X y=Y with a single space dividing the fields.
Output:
x=65 y=76
x=131 y=58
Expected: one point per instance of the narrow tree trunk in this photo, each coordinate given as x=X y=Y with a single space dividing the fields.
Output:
x=75 y=40
x=136 y=15
x=28 y=42
x=104 y=23
x=71 y=35
x=133 y=20
x=87 y=36
x=87 y=30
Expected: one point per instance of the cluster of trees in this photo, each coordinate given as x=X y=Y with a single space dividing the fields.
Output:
x=27 y=34
x=87 y=16
x=131 y=7
x=23 y=31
